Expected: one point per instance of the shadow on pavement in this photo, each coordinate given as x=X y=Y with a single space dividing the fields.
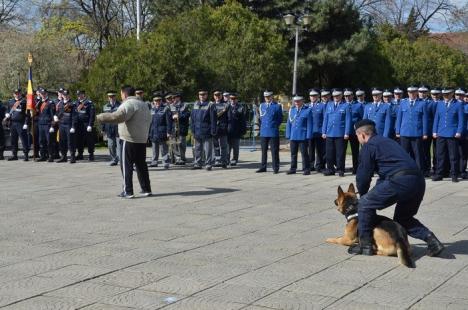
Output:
x=208 y=191
x=459 y=247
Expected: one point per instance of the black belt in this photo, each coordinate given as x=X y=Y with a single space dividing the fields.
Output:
x=404 y=172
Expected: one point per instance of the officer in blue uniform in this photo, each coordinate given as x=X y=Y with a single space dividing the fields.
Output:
x=412 y=125
x=299 y=131
x=84 y=131
x=204 y=122
x=18 y=118
x=271 y=116
x=394 y=106
x=220 y=141
x=2 y=133
x=325 y=95
x=181 y=117
x=66 y=116
x=160 y=131
x=45 y=118
x=378 y=112
x=460 y=95
x=400 y=181
x=111 y=130
x=237 y=127
x=357 y=112
x=436 y=96
x=336 y=129
x=423 y=93
x=316 y=142
x=448 y=131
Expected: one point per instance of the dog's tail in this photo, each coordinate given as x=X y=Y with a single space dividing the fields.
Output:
x=403 y=253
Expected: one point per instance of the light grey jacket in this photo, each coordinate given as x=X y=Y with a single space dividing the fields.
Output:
x=134 y=119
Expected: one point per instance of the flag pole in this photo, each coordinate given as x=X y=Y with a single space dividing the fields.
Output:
x=30 y=102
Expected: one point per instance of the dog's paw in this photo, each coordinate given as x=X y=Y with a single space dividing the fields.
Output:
x=331 y=240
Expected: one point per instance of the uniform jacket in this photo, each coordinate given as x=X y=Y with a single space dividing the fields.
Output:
x=318 y=113
x=204 y=120
x=66 y=113
x=381 y=115
x=86 y=112
x=111 y=130
x=412 y=121
x=46 y=109
x=448 y=121
x=299 y=126
x=337 y=120
x=357 y=112
x=18 y=111
x=431 y=107
x=184 y=117
x=394 y=106
x=237 y=126
x=271 y=117
x=465 y=111
x=222 y=117
x=161 y=124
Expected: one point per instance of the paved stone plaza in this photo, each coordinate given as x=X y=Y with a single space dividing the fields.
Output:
x=219 y=240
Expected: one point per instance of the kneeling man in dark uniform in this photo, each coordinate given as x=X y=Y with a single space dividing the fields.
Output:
x=400 y=181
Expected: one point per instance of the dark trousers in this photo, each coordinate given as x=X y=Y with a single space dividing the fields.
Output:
x=234 y=145
x=134 y=153
x=46 y=141
x=463 y=150
x=274 y=148
x=335 y=152
x=66 y=141
x=83 y=137
x=414 y=147
x=447 y=146
x=354 y=142
x=426 y=147
x=304 y=146
x=35 y=143
x=17 y=132
x=2 y=140
x=407 y=192
x=317 y=153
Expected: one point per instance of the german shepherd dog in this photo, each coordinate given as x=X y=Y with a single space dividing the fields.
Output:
x=390 y=238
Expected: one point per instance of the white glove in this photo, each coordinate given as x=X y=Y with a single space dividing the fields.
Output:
x=25 y=127
x=51 y=130
x=7 y=115
x=89 y=129
x=56 y=119
x=72 y=130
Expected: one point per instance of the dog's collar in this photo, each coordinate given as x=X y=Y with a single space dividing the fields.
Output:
x=351 y=216
x=351 y=212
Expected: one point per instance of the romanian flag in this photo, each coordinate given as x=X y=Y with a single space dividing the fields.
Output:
x=30 y=96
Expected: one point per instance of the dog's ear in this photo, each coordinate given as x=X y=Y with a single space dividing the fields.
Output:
x=340 y=192
x=351 y=189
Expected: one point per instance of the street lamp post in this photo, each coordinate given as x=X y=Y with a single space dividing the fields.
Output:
x=297 y=22
x=138 y=17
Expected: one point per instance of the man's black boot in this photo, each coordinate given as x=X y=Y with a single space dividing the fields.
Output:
x=434 y=246
x=364 y=247
x=26 y=157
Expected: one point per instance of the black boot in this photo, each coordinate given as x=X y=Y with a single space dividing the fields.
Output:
x=91 y=157
x=72 y=159
x=434 y=246
x=79 y=157
x=364 y=247
x=26 y=157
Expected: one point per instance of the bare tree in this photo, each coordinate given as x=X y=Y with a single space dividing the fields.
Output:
x=8 y=10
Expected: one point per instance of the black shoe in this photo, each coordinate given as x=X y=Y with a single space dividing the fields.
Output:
x=41 y=159
x=79 y=157
x=261 y=170
x=291 y=172
x=328 y=173
x=208 y=168
x=436 y=178
x=434 y=246
x=464 y=176
x=275 y=171
x=196 y=167
x=224 y=166
x=312 y=169
x=51 y=159
x=153 y=164
x=26 y=157
x=364 y=247
x=455 y=179
x=306 y=172
x=341 y=174
x=72 y=160
x=62 y=159
x=91 y=157
x=233 y=163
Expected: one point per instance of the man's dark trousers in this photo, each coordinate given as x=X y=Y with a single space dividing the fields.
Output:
x=304 y=147
x=317 y=152
x=134 y=153
x=407 y=191
x=274 y=147
x=414 y=147
x=450 y=146
x=335 y=149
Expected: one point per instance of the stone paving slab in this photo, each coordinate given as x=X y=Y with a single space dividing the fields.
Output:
x=225 y=239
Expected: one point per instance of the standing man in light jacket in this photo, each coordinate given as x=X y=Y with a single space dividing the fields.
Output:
x=134 y=119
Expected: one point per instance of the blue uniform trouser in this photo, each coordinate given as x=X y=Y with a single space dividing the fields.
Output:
x=164 y=147
x=354 y=142
x=113 y=144
x=234 y=146
x=274 y=147
x=203 y=149
x=317 y=152
x=66 y=140
x=414 y=147
x=335 y=149
x=447 y=146
x=221 y=149
x=46 y=141
x=407 y=192
x=304 y=147
x=17 y=131
x=83 y=137
x=463 y=150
